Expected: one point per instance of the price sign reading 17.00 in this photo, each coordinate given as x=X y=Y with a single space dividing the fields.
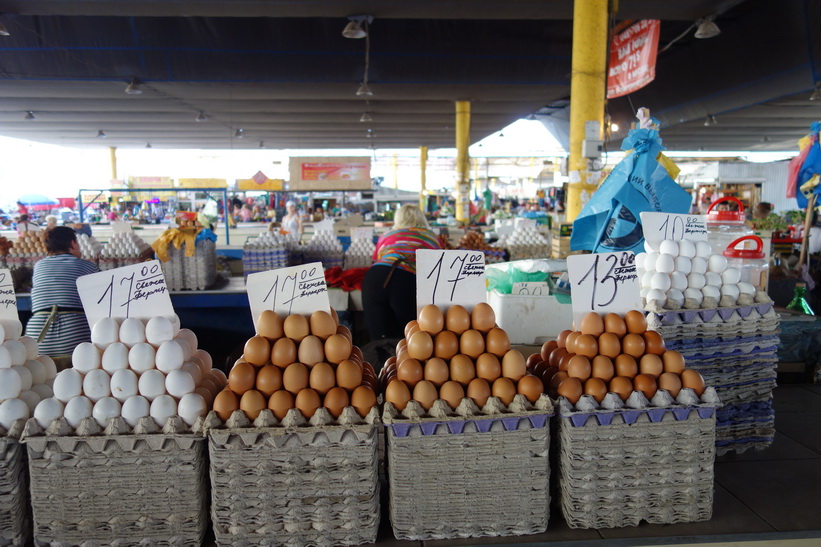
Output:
x=8 y=300
x=299 y=289
x=603 y=283
x=445 y=278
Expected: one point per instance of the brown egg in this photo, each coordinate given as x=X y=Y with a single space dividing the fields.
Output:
x=646 y=384
x=653 y=342
x=570 y=341
x=478 y=391
x=651 y=364
x=673 y=361
x=532 y=360
x=335 y=401
x=346 y=332
x=356 y=354
x=410 y=371
x=557 y=379
x=446 y=345
x=626 y=366
x=602 y=367
x=219 y=377
x=457 y=319
x=402 y=355
x=579 y=367
x=547 y=348
x=462 y=369
x=425 y=394
x=209 y=383
x=225 y=403
x=295 y=378
x=531 y=387
x=692 y=379
x=363 y=399
x=586 y=345
x=635 y=321
x=592 y=323
x=621 y=386
x=322 y=378
x=488 y=367
x=615 y=324
x=322 y=324
x=206 y=394
x=269 y=380
x=437 y=371
x=571 y=389
x=252 y=403
x=307 y=402
x=335 y=316
x=410 y=324
x=498 y=342
x=565 y=360
x=671 y=382
x=296 y=327
x=269 y=325
x=504 y=389
x=561 y=340
x=609 y=345
x=420 y=346
x=556 y=356
x=311 y=350
x=257 y=350
x=633 y=345
x=431 y=319
x=280 y=403
x=482 y=318
x=472 y=343
x=337 y=348
x=452 y=393
x=596 y=388
x=348 y=375
x=283 y=353
x=513 y=365
x=413 y=330
x=241 y=378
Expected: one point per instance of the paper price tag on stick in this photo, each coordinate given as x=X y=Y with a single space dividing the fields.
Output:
x=660 y=226
x=137 y=291
x=603 y=283
x=8 y=300
x=445 y=278
x=298 y=289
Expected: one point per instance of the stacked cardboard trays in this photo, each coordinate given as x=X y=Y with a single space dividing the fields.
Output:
x=196 y=272
x=117 y=486
x=15 y=520
x=734 y=349
x=621 y=463
x=471 y=472
x=293 y=482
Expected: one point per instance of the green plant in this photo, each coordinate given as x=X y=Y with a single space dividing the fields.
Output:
x=794 y=217
x=772 y=222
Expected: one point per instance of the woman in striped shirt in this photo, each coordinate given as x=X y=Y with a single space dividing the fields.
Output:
x=55 y=284
x=389 y=288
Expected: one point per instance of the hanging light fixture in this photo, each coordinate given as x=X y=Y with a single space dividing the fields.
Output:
x=239 y=133
x=201 y=117
x=614 y=127
x=3 y=30
x=261 y=145
x=29 y=116
x=148 y=145
x=354 y=28
x=364 y=90
x=765 y=138
x=707 y=28
x=365 y=117
x=710 y=120
x=101 y=134
x=370 y=134
x=133 y=87
x=816 y=94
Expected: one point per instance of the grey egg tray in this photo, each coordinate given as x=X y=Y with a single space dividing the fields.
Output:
x=15 y=517
x=196 y=272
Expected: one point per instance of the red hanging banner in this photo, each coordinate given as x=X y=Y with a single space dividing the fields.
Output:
x=633 y=58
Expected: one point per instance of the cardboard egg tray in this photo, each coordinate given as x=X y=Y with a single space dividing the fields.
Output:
x=294 y=482
x=468 y=473
x=196 y=272
x=119 y=486
x=15 y=517
x=620 y=467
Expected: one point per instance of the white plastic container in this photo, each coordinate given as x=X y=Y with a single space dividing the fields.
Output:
x=724 y=227
x=530 y=319
x=751 y=263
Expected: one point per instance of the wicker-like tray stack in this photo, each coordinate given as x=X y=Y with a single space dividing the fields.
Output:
x=292 y=482
x=469 y=473
x=196 y=272
x=15 y=518
x=619 y=467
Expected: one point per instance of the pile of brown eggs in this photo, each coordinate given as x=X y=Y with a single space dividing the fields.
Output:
x=298 y=362
x=611 y=354
x=31 y=242
x=453 y=355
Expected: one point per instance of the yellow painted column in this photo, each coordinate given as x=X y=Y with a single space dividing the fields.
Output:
x=462 y=161
x=587 y=92
x=112 y=151
x=423 y=178
x=395 y=165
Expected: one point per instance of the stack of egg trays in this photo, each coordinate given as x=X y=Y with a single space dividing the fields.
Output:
x=620 y=467
x=173 y=270
x=468 y=473
x=119 y=486
x=15 y=517
x=294 y=482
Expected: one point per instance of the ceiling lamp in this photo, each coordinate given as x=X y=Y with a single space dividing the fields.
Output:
x=816 y=94
x=101 y=134
x=765 y=138
x=201 y=117
x=239 y=133
x=261 y=145
x=364 y=90
x=354 y=28
x=710 y=120
x=365 y=117
x=707 y=28
x=148 y=145
x=3 y=30
x=614 y=127
x=133 y=87
x=370 y=134
x=29 y=116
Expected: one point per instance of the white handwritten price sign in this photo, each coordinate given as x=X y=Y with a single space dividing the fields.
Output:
x=660 y=226
x=362 y=233
x=530 y=288
x=131 y=291
x=299 y=289
x=603 y=283
x=8 y=300
x=445 y=278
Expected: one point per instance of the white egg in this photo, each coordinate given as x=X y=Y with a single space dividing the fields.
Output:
x=170 y=356
x=711 y=291
x=650 y=261
x=650 y=247
x=67 y=385
x=141 y=357
x=25 y=377
x=698 y=265
x=132 y=331
x=151 y=384
x=670 y=247
x=220 y=377
x=731 y=276
x=77 y=409
x=31 y=398
x=105 y=409
x=115 y=357
x=162 y=408
x=640 y=260
x=5 y=357
x=86 y=357
x=37 y=370
x=158 y=330
x=17 y=351
x=124 y=384
x=48 y=363
x=12 y=329
x=96 y=384
x=716 y=263
x=205 y=357
x=647 y=278
x=187 y=352
x=47 y=411
x=643 y=291
x=683 y=265
x=660 y=281
x=32 y=347
x=134 y=408
x=678 y=281
x=657 y=296
x=104 y=332
x=191 y=407
x=43 y=390
x=665 y=263
x=714 y=279
x=686 y=248
x=694 y=294
x=703 y=249
x=675 y=298
x=696 y=280
x=731 y=291
x=174 y=319
x=194 y=369
x=746 y=288
x=12 y=410
x=190 y=337
x=179 y=383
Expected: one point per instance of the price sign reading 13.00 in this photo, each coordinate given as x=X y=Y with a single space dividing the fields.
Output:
x=299 y=289
x=445 y=278
x=603 y=283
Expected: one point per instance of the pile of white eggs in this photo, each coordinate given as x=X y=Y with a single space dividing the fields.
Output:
x=360 y=253
x=134 y=370
x=123 y=249
x=686 y=274
x=266 y=252
x=89 y=247
x=525 y=242
x=324 y=247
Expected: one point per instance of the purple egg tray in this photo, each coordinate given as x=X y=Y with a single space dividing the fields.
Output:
x=770 y=338
x=604 y=418
x=456 y=427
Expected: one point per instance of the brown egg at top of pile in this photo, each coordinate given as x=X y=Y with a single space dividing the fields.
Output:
x=298 y=362
x=611 y=354
x=455 y=355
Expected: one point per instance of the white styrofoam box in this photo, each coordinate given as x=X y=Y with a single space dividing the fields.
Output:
x=338 y=299
x=356 y=300
x=530 y=319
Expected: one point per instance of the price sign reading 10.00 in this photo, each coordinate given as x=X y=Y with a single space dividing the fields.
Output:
x=603 y=283
x=299 y=289
x=445 y=278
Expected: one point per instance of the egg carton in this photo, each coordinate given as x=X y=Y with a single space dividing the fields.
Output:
x=745 y=426
x=15 y=516
x=196 y=272
x=444 y=468
x=294 y=482
x=119 y=485
x=620 y=464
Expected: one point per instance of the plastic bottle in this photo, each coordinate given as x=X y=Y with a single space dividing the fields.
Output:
x=751 y=263
x=723 y=227
x=799 y=301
